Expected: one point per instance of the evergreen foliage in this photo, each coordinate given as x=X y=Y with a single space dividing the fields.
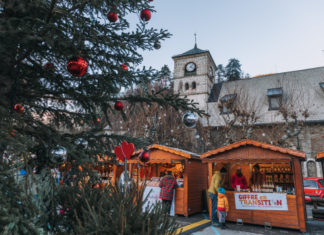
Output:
x=61 y=110
x=233 y=70
x=220 y=73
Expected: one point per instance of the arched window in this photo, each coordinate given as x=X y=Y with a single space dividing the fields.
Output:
x=311 y=169
x=193 y=85
x=187 y=86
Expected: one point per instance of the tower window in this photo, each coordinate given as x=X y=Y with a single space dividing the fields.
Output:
x=193 y=85
x=187 y=86
x=275 y=98
x=180 y=86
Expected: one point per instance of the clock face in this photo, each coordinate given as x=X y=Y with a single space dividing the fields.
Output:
x=190 y=67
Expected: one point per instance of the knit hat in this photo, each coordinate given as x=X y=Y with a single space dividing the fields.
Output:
x=221 y=190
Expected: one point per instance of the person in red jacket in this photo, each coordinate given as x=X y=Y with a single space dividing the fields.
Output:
x=238 y=179
x=167 y=184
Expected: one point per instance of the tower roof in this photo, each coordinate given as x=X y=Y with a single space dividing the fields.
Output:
x=193 y=51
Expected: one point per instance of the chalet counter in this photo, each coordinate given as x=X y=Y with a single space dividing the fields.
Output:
x=180 y=207
x=282 y=215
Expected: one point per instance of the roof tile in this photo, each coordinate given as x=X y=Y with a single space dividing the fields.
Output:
x=320 y=155
x=292 y=152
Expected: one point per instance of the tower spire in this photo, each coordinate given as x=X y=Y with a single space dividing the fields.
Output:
x=195 y=40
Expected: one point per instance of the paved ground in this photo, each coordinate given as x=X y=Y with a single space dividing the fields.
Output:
x=314 y=227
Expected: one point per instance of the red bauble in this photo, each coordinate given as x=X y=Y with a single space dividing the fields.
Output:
x=13 y=132
x=112 y=16
x=119 y=105
x=150 y=0
x=19 y=108
x=124 y=67
x=145 y=157
x=77 y=66
x=146 y=14
x=49 y=67
x=98 y=120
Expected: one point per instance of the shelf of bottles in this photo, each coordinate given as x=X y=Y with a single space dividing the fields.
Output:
x=277 y=178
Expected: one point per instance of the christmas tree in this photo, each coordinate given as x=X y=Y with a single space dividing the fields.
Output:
x=64 y=67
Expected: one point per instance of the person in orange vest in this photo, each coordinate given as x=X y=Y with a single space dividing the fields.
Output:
x=222 y=207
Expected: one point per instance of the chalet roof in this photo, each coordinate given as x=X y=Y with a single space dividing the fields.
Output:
x=275 y=148
x=180 y=152
x=320 y=155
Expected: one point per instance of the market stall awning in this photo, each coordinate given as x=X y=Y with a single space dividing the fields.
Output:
x=176 y=151
x=320 y=155
x=245 y=143
x=153 y=161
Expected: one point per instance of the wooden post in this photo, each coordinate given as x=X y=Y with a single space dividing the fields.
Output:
x=185 y=191
x=130 y=170
x=300 y=197
x=114 y=174
x=210 y=175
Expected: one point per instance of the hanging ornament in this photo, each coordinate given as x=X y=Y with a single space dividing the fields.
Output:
x=157 y=45
x=124 y=67
x=13 y=132
x=146 y=14
x=190 y=119
x=59 y=154
x=22 y=172
x=112 y=16
x=124 y=151
x=119 y=105
x=77 y=66
x=82 y=142
x=98 y=120
x=144 y=157
x=19 y=108
x=49 y=67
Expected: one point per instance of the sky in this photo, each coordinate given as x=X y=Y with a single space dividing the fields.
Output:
x=266 y=36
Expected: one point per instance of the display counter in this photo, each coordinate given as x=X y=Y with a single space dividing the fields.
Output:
x=152 y=196
x=276 y=209
x=179 y=201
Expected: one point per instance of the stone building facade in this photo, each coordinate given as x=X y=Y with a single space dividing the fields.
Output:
x=269 y=97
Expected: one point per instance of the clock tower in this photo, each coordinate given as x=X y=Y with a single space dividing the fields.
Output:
x=194 y=75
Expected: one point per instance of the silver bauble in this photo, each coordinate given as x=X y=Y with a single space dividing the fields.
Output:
x=157 y=45
x=59 y=153
x=190 y=119
x=82 y=142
